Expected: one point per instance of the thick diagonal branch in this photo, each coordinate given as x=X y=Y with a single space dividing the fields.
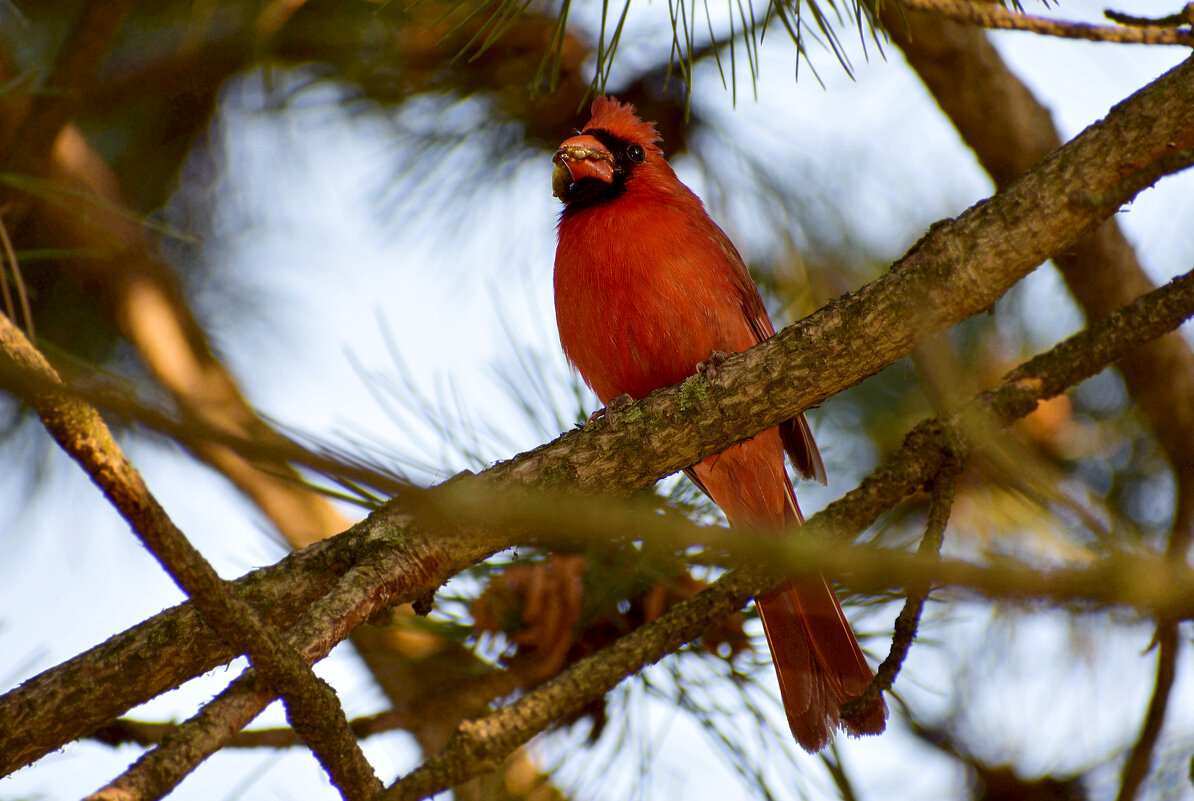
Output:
x=311 y=704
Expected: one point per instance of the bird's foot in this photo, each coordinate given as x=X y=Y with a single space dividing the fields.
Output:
x=610 y=412
x=710 y=366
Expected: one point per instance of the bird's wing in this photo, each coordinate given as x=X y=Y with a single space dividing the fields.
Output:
x=797 y=436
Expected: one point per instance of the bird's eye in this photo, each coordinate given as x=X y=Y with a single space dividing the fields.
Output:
x=636 y=153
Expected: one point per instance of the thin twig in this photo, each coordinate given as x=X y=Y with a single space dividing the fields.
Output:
x=312 y=706
x=1139 y=760
x=1183 y=17
x=989 y=15
x=125 y=731
x=941 y=502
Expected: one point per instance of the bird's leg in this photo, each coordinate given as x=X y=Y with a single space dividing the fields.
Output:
x=610 y=412
x=708 y=368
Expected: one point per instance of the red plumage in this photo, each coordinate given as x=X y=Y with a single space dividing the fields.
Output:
x=646 y=287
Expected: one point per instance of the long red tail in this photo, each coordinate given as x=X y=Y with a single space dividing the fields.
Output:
x=816 y=655
x=818 y=662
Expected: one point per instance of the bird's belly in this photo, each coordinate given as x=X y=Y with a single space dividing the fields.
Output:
x=654 y=352
x=633 y=343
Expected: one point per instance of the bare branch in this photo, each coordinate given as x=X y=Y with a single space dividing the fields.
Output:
x=1183 y=17
x=942 y=498
x=1140 y=759
x=124 y=731
x=364 y=590
x=989 y=15
x=311 y=704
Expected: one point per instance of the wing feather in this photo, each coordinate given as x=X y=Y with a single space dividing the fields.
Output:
x=797 y=436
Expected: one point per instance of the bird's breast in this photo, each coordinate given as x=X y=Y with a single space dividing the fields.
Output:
x=641 y=299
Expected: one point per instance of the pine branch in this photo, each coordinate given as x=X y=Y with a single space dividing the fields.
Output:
x=1139 y=760
x=942 y=490
x=312 y=706
x=989 y=15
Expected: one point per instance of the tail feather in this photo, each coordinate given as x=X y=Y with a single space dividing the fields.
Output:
x=818 y=662
x=816 y=656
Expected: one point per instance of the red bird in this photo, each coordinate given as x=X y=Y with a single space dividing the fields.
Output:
x=647 y=288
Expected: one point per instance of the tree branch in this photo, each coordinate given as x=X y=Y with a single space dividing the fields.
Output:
x=312 y=706
x=1140 y=759
x=363 y=591
x=1183 y=17
x=988 y=15
x=941 y=492
x=125 y=731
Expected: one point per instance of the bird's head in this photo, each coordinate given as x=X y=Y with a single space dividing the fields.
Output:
x=599 y=161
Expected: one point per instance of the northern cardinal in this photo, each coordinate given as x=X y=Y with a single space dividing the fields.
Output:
x=648 y=288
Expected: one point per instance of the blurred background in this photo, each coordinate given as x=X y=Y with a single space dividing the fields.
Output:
x=334 y=220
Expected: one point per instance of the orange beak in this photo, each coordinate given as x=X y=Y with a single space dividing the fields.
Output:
x=578 y=158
